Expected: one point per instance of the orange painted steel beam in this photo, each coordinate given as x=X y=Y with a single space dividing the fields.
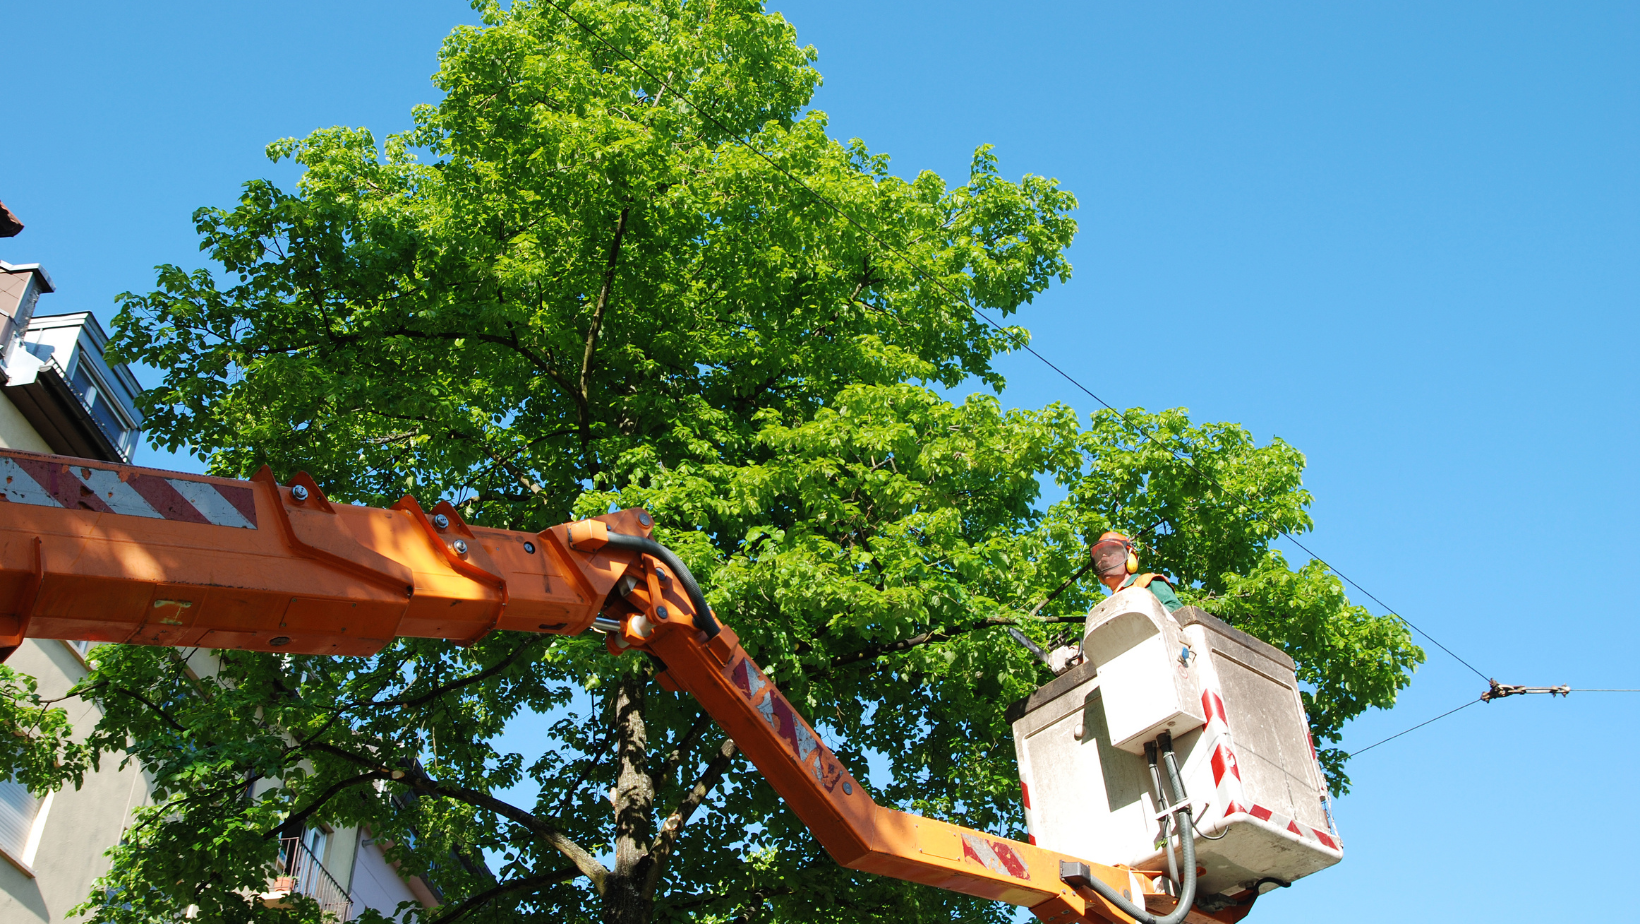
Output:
x=115 y=553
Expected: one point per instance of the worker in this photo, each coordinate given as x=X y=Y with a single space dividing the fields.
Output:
x=1118 y=565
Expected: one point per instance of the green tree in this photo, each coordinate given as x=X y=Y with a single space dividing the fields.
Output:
x=564 y=290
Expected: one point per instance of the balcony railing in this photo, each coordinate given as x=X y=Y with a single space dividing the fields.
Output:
x=302 y=873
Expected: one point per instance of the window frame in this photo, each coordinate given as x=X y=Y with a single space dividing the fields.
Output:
x=101 y=394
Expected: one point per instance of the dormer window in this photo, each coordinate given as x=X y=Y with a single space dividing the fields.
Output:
x=77 y=403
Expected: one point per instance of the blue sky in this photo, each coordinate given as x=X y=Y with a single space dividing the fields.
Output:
x=1403 y=237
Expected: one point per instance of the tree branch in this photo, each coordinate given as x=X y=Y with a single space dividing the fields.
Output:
x=1062 y=588
x=295 y=821
x=587 y=766
x=661 y=850
x=670 y=764
x=933 y=635
x=417 y=779
x=525 y=884
x=583 y=397
x=469 y=680
x=166 y=716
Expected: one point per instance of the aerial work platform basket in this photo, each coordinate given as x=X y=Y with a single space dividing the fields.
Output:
x=1231 y=704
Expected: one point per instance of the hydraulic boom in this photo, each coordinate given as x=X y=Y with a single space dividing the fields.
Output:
x=114 y=553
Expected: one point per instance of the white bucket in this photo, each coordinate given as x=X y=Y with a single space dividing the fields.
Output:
x=1231 y=703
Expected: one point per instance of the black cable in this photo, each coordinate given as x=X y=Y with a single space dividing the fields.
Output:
x=1412 y=729
x=704 y=619
x=1328 y=565
x=1483 y=699
x=1022 y=344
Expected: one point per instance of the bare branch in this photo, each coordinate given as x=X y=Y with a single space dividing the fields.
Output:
x=661 y=850
x=295 y=820
x=525 y=884
x=681 y=751
x=469 y=680
x=583 y=396
x=417 y=779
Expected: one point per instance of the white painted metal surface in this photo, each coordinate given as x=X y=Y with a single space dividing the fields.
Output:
x=1148 y=684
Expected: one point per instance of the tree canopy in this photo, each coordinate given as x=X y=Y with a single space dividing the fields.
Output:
x=564 y=290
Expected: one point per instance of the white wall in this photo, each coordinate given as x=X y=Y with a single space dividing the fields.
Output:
x=375 y=883
x=15 y=431
x=79 y=824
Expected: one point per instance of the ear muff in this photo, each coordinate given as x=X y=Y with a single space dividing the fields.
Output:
x=1132 y=562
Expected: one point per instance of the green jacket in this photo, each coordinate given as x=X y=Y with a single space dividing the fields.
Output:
x=1161 y=588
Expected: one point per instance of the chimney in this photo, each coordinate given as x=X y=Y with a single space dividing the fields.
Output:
x=20 y=287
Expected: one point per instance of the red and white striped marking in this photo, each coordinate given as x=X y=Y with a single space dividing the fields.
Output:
x=1304 y=831
x=1030 y=817
x=28 y=480
x=1227 y=788
x=995 y=856
x=800 y=739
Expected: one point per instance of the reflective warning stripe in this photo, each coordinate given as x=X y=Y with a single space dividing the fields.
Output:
x=77 y=486
x=1030 y=814
x=1227 y=786
x=1293 y=827
x=995 y=856
x=120 y=497
x=21 y=488
x=218 y=503
x=1228 y=790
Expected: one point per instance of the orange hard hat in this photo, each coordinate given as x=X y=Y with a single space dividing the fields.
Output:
x=1114 y=552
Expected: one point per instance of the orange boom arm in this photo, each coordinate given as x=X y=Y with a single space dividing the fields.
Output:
x=114 y=553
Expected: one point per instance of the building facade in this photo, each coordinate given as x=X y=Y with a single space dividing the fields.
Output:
x=58 y=394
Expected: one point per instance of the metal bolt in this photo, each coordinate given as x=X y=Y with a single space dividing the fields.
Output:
x=660 y=572
x=645 y=519
x=662 y=613
x=279 y=641
x=529 y=547
x=460 y=546
x=441 y=521
x=848 y=788
x=1077 y=733
x=298 y=493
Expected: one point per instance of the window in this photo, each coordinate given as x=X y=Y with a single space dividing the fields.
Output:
x=19 y=812
x=315 y=840
x=94 y=396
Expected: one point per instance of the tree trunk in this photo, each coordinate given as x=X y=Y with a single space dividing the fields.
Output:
x=626 y=898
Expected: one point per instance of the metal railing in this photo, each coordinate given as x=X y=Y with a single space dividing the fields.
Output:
x=302 y=873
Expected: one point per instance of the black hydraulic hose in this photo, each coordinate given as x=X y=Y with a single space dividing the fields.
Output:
x=704 y=620
x=1186 y=831
x=1187 y=889
x=1161 y=800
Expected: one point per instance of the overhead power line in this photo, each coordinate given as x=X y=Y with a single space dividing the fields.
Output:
x=1494 y=691
x=1413 y=728
x=912 y=263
